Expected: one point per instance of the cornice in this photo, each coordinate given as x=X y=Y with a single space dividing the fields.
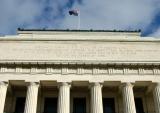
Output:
x=85 y=62
x=77 y=38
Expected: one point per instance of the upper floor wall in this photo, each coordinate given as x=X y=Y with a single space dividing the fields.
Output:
x=77 y=46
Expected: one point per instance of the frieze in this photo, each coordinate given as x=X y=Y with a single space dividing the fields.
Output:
x=81 y=69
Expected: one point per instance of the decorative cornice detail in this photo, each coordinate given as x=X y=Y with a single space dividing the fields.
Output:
x=77 y=69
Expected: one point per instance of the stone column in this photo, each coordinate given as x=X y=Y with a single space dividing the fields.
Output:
x=3 y=92
x=31 y=98
x=128 y=98
x=156 y=96
x=64 y=98
x=96 y=98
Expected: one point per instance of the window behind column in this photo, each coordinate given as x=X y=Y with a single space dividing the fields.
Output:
x=20 y=104
x=50 y=105
x=139 y=105
x=108 y=105
x=79 y=105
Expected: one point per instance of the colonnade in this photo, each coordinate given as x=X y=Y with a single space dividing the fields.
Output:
x=64 y=97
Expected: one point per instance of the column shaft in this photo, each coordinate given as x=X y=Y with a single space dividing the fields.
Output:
x=64 y=98
x=96 y=98
x=128 y=98
x=156 y=96
x=31 y=99
x=3 y=91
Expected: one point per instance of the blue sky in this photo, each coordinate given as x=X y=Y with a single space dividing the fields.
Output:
x=95 y=14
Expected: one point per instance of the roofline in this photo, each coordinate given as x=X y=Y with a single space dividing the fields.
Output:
x=84 y=30
x=78 y=35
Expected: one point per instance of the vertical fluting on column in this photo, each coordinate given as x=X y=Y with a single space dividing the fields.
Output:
x=3 y=91
x=96 y=98
x=156 y=96
x=31 y=99
x=64 y=98
x=128 y=98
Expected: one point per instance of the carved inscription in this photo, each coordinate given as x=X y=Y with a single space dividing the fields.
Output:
x=78 y=51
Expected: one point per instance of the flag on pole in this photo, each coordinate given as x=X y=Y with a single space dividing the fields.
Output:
x=74 y=12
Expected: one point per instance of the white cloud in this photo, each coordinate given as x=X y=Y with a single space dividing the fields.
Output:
x=114 y=14
x=95 y=14
x=156 y=33
x=16 y=13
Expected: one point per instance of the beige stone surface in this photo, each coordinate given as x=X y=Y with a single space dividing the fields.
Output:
x=76 y=60
x=31 y=98
x=75 y=46
x=3 y=91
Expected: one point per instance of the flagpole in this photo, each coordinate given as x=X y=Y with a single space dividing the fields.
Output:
x=79 y=21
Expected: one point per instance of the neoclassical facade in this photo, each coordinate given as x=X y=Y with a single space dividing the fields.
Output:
x=67 y=71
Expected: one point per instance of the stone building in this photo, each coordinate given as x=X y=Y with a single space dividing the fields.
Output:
x=67 y=71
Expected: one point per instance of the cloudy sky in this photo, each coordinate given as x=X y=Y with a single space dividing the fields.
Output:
x=95 y=14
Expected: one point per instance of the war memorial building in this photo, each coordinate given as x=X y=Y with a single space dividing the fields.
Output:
x=68 y=71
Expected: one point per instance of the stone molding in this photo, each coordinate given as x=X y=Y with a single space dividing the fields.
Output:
x=33 y=84
x=81 y=69
x=94 y=84
x=127 y=84
x=3 y=83
x=64 y=84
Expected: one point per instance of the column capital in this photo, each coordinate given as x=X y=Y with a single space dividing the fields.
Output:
x=64 y=84
x=157 y=84
x=127 y=84
x=4 y=83
x=96 y=84
x=33 y=84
